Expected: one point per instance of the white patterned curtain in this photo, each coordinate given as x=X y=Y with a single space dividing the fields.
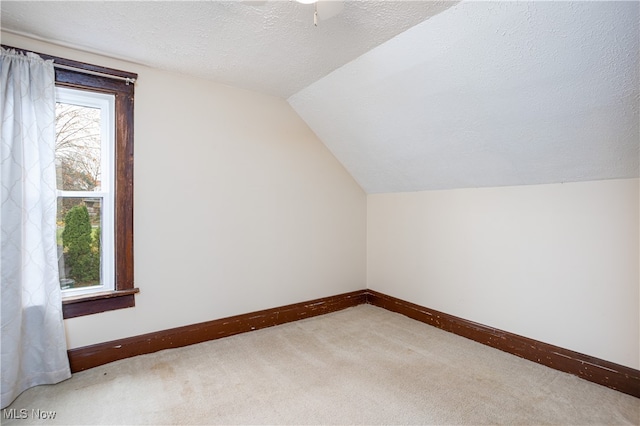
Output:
x=34 y=349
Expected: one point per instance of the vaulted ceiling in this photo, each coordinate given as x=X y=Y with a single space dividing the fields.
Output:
x=408 y=95
x=268 y=46
x=488 y=94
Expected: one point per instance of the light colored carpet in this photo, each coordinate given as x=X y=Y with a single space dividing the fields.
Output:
x=363 y=365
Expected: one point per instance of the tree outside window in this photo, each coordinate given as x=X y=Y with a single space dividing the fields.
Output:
x=79 y=163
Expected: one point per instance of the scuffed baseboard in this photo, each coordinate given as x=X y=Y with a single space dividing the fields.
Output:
x=103 y=353
x=614 y=376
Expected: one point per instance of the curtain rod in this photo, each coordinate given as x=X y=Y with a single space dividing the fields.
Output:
x=127 y=80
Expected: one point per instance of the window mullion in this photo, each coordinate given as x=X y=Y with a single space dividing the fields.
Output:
x=83 y=194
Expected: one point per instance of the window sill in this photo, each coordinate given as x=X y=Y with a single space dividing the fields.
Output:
x=78 y=306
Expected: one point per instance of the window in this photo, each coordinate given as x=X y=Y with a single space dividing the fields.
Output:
x=94 y=160
x=84 y=168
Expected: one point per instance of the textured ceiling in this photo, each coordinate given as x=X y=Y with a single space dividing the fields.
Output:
x=411 y=95
x=267 y=46
x=488 y=94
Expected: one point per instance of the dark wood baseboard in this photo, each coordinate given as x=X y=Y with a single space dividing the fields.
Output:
x=609 y=374
x=614 y=376
x=103 y=353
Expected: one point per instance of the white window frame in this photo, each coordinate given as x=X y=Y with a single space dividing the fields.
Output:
x=106 y=104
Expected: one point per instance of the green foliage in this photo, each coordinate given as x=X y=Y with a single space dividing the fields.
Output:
x=83 y=261
x=95 y=250
x=97 y=235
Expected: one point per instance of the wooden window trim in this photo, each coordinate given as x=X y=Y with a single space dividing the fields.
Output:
x=124 y=294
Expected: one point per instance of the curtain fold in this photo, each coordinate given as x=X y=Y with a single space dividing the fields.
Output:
x=34 y=349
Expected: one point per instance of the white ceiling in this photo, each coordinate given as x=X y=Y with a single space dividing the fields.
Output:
x=488 y=94
x=409 y=95
x=267 y=46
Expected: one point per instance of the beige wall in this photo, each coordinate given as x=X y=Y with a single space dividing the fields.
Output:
x=238 y=206
x=556 y=263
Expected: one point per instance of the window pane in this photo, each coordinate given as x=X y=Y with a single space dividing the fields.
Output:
x=79 y=241
x=78 y=147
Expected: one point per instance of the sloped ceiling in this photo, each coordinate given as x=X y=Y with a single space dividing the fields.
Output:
x=266 y=46
x=488 y=94
x=409 y=95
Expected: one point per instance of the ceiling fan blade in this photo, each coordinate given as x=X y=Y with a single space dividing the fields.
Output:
x=329 y=8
